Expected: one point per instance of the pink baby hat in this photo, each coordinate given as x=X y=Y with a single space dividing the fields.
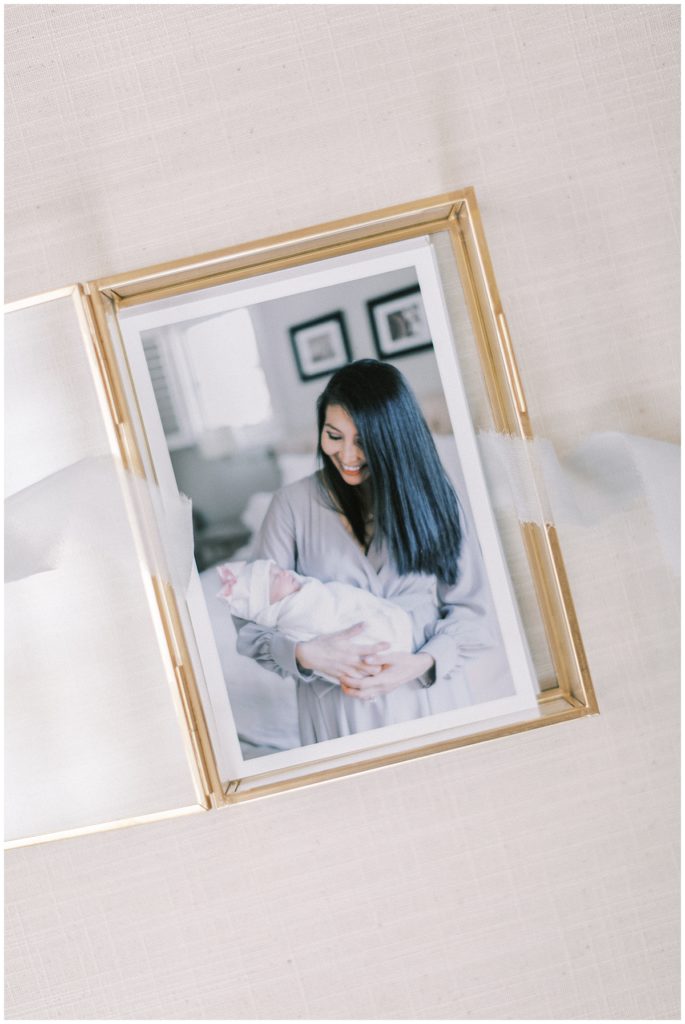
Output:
x=246 y=586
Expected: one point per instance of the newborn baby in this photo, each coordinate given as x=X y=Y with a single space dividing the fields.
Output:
x=302 y=607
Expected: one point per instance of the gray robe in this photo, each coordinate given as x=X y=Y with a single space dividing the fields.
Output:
x=454 y=624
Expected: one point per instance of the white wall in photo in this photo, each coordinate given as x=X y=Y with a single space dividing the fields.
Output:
x=297 y=398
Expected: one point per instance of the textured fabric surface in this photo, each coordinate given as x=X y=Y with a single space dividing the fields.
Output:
x=532 y=877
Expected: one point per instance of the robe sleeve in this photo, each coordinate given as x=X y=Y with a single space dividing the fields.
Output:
x=465 y=626
x=277 y=540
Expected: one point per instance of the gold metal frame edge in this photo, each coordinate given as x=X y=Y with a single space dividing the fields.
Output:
x=270 y=243
x=108 y=826
x=193 y=717
x=40 y=298
x=236 y=794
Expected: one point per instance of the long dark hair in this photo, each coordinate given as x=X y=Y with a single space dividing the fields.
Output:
x=415 y=507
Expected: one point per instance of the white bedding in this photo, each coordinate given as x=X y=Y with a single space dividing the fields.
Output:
x=263 y=704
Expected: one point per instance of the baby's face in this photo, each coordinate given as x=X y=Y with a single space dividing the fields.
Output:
x=283 y=583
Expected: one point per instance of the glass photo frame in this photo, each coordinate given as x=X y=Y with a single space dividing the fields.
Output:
x=242 y=427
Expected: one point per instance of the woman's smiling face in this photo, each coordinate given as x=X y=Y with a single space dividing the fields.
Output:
x=340 y=441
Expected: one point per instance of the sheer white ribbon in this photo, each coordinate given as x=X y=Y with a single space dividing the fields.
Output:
x=81 y=506
x=606 y=473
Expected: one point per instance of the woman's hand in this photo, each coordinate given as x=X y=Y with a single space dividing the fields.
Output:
x=334 y=655
x=398 y=668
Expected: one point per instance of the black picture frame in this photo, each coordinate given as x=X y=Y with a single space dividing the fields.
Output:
x=320 y=346
x=398 y=323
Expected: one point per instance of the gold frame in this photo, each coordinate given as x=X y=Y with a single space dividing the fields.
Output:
x=456 y=213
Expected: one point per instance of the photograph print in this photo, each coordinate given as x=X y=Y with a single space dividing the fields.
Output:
x=361 y=595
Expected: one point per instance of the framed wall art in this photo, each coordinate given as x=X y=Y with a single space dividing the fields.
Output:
x=320 y=346
x=399 y=324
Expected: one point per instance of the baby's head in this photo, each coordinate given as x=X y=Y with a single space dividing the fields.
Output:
x=251 y=587
x=282 y=583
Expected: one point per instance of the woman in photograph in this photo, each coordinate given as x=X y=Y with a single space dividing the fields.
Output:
x=380 y=514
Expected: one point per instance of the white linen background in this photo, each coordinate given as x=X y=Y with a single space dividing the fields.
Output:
x=531 y=877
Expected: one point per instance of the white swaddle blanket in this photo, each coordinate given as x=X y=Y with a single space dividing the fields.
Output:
x=316 y=608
